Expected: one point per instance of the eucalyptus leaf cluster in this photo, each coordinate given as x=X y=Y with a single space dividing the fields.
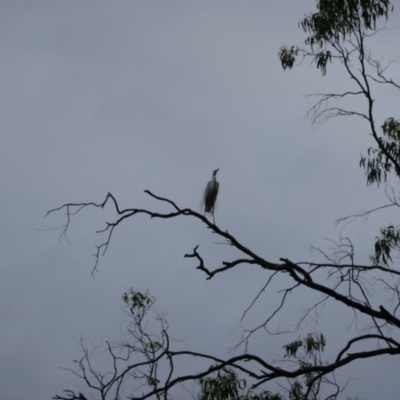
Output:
x=334 y=23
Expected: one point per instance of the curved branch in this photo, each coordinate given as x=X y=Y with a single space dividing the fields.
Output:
x=227 y=265
x=345 y=300
x=298 y=274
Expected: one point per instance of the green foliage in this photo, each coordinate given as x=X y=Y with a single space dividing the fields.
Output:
x=288 y=56
x=153 y=346
x=321 y=60
x=313 y=342
x=138 y=302
x=333 y=23
x=263 y=396
x=337 y=19
x=296 y=392
x=227 y=386
x=306 y=353
x=152 y=381
x=386 y=157
x=224 y=386
x=389 y=240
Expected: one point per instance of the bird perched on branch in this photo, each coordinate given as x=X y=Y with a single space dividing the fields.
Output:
x=210 y=195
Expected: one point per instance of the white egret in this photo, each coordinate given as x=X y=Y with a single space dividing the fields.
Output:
x=210 y=195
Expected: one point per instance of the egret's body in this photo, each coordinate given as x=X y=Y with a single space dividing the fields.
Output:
x=210 y=195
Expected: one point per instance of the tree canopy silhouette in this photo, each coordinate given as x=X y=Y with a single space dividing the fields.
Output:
x=338 y=32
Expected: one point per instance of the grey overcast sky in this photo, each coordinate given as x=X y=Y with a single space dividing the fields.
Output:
x=123 y=96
